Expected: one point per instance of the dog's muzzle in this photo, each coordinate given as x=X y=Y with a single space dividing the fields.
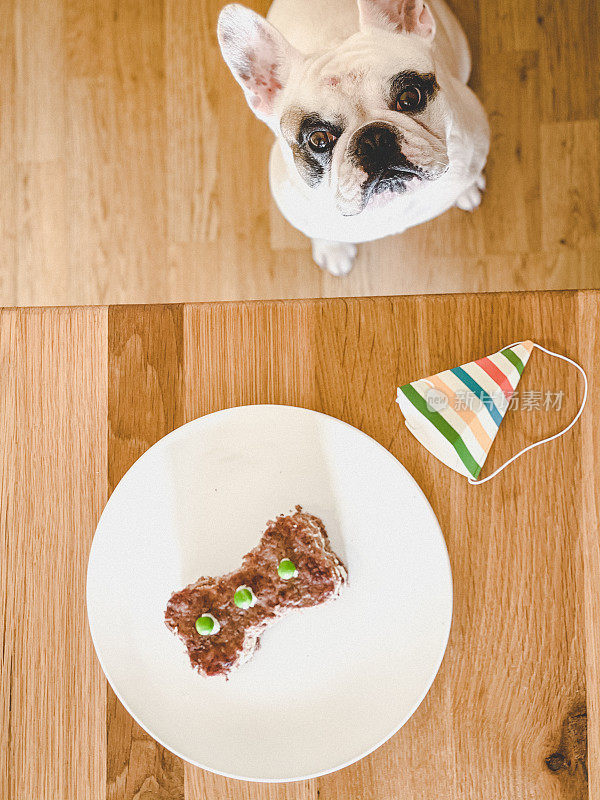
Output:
x=373 y=163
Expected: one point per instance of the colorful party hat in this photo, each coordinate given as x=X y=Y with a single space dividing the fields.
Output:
x=456 y=413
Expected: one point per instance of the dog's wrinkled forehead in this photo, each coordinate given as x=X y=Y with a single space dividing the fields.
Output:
x=358 y=71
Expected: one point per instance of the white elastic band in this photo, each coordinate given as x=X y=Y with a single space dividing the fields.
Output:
x=556 y=435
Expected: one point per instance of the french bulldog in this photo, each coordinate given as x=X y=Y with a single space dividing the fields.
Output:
x=376 y=129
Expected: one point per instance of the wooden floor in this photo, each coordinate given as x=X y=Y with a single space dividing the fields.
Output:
x=133 y=171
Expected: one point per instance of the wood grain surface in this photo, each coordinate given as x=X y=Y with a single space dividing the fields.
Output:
x=53 y=452
x=86 y=391
x=145 y=402
x=134 y=172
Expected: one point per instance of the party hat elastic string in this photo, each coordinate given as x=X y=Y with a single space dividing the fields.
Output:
x=549 y=438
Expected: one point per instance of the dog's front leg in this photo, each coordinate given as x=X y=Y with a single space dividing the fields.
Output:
x=470 y=199
x=337 y=258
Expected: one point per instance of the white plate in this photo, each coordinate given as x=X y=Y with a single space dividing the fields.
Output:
x=329 y=684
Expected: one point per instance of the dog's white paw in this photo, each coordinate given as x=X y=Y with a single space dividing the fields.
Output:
x=337 y=258
x=471 y=197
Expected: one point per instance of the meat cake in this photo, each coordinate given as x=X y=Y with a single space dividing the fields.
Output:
x=300 y=540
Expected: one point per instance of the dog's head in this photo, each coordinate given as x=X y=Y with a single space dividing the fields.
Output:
x=363 y=121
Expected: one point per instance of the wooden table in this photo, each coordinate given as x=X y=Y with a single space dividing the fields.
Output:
x=85 y=391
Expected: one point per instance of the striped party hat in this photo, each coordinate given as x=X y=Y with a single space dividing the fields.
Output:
x=456 y=413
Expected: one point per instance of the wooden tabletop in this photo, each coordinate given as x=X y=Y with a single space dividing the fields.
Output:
x=85 y=391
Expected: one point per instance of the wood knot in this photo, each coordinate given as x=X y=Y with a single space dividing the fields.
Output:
x=571 y=756
x=555 y=762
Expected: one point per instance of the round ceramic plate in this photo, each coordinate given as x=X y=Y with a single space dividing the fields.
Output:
x=329 y=684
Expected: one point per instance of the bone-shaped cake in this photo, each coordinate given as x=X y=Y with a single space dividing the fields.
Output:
x=220 y=620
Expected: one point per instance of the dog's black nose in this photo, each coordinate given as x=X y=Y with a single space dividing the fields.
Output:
x=376 y=147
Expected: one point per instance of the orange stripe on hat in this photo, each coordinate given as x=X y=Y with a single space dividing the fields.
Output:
x=467 y=414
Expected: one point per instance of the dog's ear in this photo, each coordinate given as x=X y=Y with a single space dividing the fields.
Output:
x=259 y=57
x=403 y=16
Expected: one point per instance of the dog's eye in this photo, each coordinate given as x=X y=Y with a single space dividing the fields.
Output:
x=409 y=99
x=320 y=141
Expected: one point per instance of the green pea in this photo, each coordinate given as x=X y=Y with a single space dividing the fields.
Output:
x=287 y=569
x=206 y=624
x=244 y=597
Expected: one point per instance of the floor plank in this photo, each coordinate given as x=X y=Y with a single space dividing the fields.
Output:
x=53 y=488
x=145 y=402
x=571 y=216
x=589 y=344
x=238 y=354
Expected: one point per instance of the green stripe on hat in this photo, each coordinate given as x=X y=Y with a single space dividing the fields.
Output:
x=444 y=427
x=514 y=359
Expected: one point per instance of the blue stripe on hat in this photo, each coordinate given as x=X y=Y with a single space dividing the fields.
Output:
x=477 y=390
